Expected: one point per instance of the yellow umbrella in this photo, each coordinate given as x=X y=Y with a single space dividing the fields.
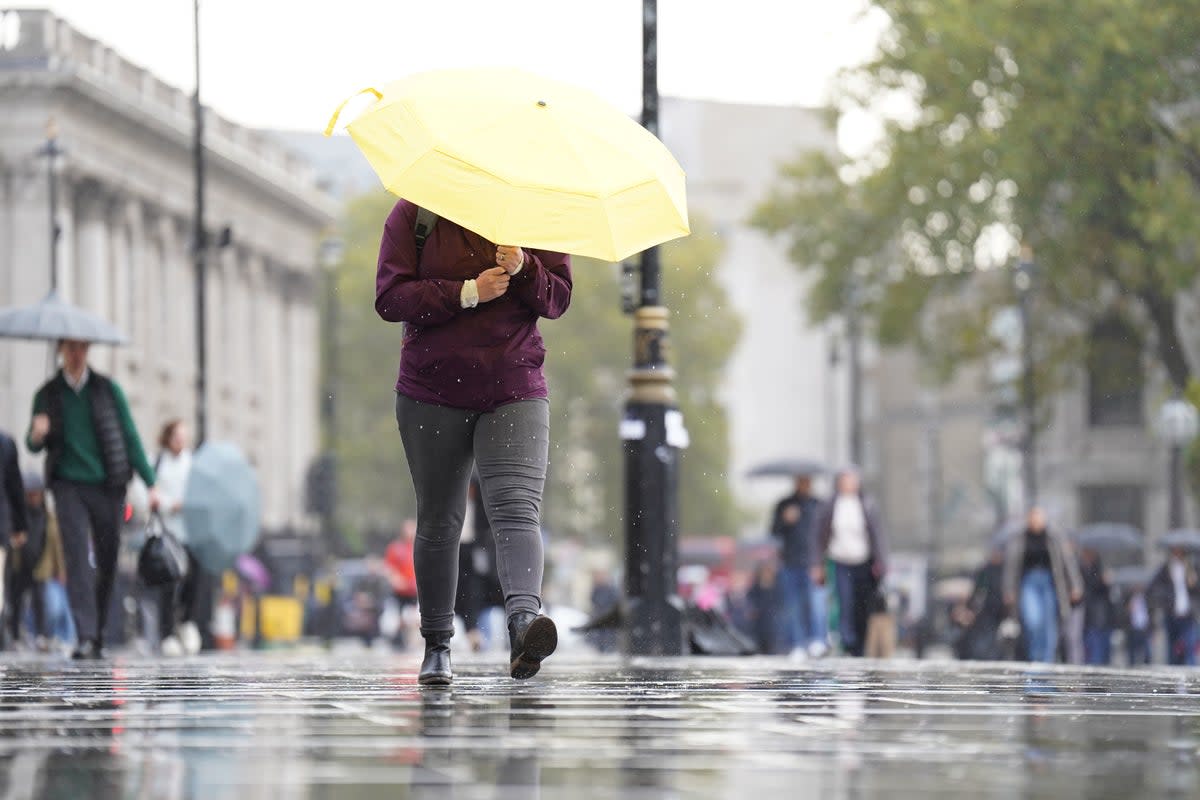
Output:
x=523 y=160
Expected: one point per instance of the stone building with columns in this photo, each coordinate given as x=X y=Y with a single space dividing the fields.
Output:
x=125 y=193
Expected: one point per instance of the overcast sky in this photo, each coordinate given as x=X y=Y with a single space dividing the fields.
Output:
x=287 y=64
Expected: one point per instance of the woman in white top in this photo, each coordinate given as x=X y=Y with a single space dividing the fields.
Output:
x=172 y=467
x=849 y=535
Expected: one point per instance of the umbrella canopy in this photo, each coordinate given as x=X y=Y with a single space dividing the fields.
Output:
x=1004 y=534
x=53 y=319
x=253 y=571
x=523 y=160
x=1186 y=538
x=1131 y=576
x=788 y=468
x=1109 y=537
x=220 y=505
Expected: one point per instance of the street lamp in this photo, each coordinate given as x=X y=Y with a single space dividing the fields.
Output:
x=200 y=246
x=53 y=153
x=653 y=434
x=1177 y=425
x=1023 y=279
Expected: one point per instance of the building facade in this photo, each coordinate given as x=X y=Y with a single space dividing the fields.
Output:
x=125 y=192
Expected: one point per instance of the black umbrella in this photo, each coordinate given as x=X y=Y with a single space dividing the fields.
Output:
x=1129 y=577
x=1185 y=538
x=788 y=468
x=53 y=319
x=1109 y=537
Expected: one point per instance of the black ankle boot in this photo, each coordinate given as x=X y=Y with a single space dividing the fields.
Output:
x=435 y=669
x=531 y=637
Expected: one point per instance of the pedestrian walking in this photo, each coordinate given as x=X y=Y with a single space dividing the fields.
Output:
x=1137 y=627
x=82 y=420
x=13 y=524
x=182 y=616
x=402 y=575
x=983 y=612
x=850 y=534
x=471 y=391
x=765 y=598
x=1042 y=582
x=793 y=524
x=34 y=561
x=1099 y=614
x=1175 y=589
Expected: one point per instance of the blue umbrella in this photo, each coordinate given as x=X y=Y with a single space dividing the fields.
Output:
x=1185 y=538
x=220 y=506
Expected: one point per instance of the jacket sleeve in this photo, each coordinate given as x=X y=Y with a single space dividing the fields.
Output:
x=878 y=538
x=58 y=564
x=777 y=520
x=1014 y=552
x=401 y=295
x=39 y=407
x=133 y=442
x=544 y=283
x=819 y=541
x=1071 y=562
x=14 y=487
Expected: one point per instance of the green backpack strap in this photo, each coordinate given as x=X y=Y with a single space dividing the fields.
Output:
x=426 y=219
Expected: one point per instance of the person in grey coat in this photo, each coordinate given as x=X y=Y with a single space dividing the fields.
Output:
x=1042 y=582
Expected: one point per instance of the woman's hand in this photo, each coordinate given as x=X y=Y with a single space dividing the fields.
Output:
x=510 y=258
x=492 y=283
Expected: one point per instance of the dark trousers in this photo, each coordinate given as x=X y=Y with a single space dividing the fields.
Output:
x=21 y=582
x=1181 y=641
x=89 y=517
x=1137 y=646
x=855 y=585
x=509 y=448
x=178 y=602
x=1097 y=646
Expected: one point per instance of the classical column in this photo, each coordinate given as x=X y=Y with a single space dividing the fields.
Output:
x=92 y=257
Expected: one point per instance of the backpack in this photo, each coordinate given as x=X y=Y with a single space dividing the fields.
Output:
x=426 y=219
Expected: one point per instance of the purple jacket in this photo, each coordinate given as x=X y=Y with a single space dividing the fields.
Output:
x=474 y=358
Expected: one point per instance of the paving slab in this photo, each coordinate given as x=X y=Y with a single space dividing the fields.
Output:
x=356 y=725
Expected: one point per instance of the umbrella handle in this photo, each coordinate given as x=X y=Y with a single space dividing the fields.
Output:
x=337 y=112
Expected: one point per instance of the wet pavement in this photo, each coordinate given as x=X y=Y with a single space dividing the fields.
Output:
x=311 y=725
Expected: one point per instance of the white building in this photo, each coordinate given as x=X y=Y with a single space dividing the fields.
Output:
x=782 y=395
x=126 y=192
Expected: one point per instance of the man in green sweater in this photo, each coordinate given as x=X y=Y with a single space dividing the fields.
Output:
x=82 y=420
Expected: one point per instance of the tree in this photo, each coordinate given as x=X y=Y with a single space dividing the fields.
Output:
x=588 y=355
x=1062 y=124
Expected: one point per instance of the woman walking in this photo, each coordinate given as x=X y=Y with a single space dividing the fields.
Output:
x=849 y=534
x=471 y=392
x=178 y=608
x=1042 y=581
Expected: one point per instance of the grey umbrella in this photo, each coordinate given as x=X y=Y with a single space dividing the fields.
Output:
x=1131 y=576
x=1186 y=538
x=1109 y=537
x=53 y=319
x=220 y=506
x=788 y=468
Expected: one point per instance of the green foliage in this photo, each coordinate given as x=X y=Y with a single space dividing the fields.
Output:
x=588 y=356
x=1062 y=124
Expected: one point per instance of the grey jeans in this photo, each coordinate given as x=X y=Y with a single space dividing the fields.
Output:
x=509 y=447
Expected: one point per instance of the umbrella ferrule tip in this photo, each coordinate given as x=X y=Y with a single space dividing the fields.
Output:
x=542 y=103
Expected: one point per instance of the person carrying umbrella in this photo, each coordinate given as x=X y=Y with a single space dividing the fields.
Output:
x=1099 y=614
x=1175 y=589
x=1042 y=581
x=82 y=421
x=793 y=524
x=471 y=389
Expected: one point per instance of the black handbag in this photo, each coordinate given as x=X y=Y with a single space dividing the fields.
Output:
x=163 y=559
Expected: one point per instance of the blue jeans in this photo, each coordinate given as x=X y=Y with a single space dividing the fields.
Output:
x=1181 y=641
x=1097 y=646
x=1039 y=615
x=796 y=621
x=819 y=634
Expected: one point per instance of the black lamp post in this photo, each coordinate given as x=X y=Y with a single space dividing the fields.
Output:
x=652 y=430
x=1024 y=283
x=200 y=247
x=52 y=151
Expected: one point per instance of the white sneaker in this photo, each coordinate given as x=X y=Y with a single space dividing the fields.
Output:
x=171 y=647
x=818 y=649
x=798 y=654
x=189 y=635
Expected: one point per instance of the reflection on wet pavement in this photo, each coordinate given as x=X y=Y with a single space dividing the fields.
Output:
x=291 y=726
